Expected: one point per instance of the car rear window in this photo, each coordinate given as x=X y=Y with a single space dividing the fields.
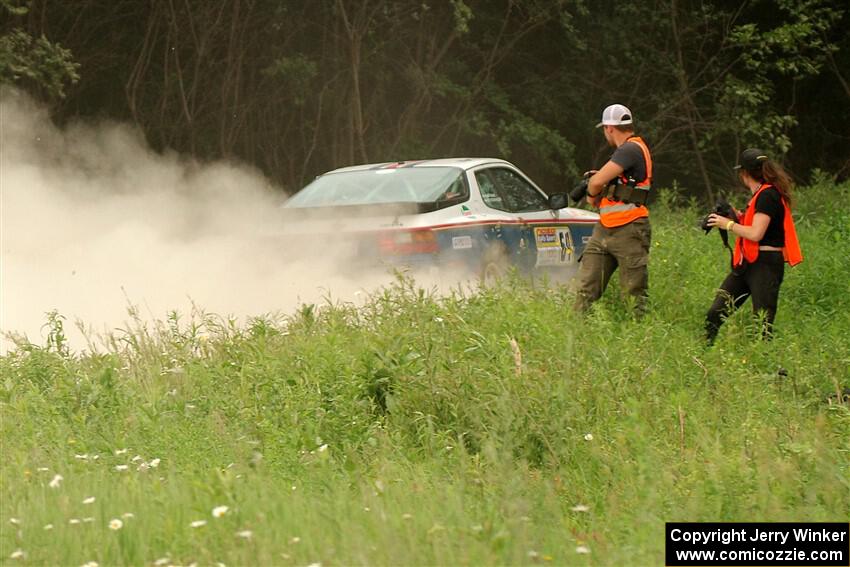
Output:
x=372 y=186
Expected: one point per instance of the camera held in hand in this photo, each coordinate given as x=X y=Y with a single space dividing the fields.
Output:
x=723 y=209
x=579 y=192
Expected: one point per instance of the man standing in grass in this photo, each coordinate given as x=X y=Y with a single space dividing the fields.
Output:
x=622 y=237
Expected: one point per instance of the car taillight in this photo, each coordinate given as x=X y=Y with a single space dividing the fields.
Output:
x=408 y=242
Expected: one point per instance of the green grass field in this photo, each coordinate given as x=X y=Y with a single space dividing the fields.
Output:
x=406 y=431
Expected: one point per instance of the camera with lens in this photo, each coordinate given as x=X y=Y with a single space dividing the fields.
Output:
x=722 y=208
x=579 y=192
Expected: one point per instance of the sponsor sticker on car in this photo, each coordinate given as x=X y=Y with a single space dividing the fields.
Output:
x=461 y=242
x=554 y=246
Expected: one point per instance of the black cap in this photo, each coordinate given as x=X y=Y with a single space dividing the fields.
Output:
x=751 y=159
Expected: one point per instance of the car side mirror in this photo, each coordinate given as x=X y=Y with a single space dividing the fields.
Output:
x=558 y=201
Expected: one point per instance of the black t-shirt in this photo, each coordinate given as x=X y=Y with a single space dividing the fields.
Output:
x=769 y=202
x=629 y=156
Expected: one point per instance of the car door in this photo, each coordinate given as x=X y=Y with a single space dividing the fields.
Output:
x=534 y=236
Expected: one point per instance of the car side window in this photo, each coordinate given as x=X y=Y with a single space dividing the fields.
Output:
x=518 y=195
x=489 y=194
x=457 y=191
x=506 y=190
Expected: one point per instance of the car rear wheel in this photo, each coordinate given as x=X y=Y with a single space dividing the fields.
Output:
x=495 y=265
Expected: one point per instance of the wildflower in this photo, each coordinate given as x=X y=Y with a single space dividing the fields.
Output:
x=121 y=451
x=316 y=564
x=83 y=457
x=580 y=508
x=15 y=521
x=74 y=521
x=245 y=534
x=367 y=509
x=406 y=516
x=57 y=480
x=478 y=528
x=296 y=539
x=48 y=527
x=42 y=469
x=533 y=554
x=162 y=561
x=154 y=463
x=136 y=458
x=89 y=500
x=219 y=511
x=294 y=487
x=115 y=524
x=198 y=523
x=121 y=467
x=89 y=564
x=588 y=436
x=323 y=448
x=584 y=550
x=88 y=520
x=438 y=319
x=127 y=515
x=17 y=554
x=143 y=467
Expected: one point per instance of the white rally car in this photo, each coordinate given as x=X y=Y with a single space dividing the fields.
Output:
x=478 y=214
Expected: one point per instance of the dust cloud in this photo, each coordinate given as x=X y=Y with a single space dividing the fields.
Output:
x=93 y=221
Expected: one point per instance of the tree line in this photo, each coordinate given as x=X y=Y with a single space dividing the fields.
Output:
x=296 y=88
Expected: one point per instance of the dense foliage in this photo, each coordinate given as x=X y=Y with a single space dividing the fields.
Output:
x=476 y=428
x=297 y=88
x=36 y=63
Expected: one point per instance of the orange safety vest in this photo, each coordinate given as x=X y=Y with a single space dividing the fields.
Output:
x=614 y=213
x=749 y=249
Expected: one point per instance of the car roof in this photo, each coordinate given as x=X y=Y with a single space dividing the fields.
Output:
x=462 y=163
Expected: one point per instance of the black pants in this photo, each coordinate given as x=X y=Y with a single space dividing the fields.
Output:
x=761 y=280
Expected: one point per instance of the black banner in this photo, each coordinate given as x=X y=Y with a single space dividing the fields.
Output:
x=753 y=543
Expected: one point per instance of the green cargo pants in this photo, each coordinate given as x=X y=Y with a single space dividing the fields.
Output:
x=626 y=247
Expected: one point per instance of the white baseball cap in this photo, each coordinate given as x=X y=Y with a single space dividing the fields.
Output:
x=615 y=115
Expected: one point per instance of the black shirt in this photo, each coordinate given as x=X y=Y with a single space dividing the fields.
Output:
x=629 y=156
x=769 y=202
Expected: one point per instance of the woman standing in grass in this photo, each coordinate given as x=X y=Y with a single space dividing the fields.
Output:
x=766 y=239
